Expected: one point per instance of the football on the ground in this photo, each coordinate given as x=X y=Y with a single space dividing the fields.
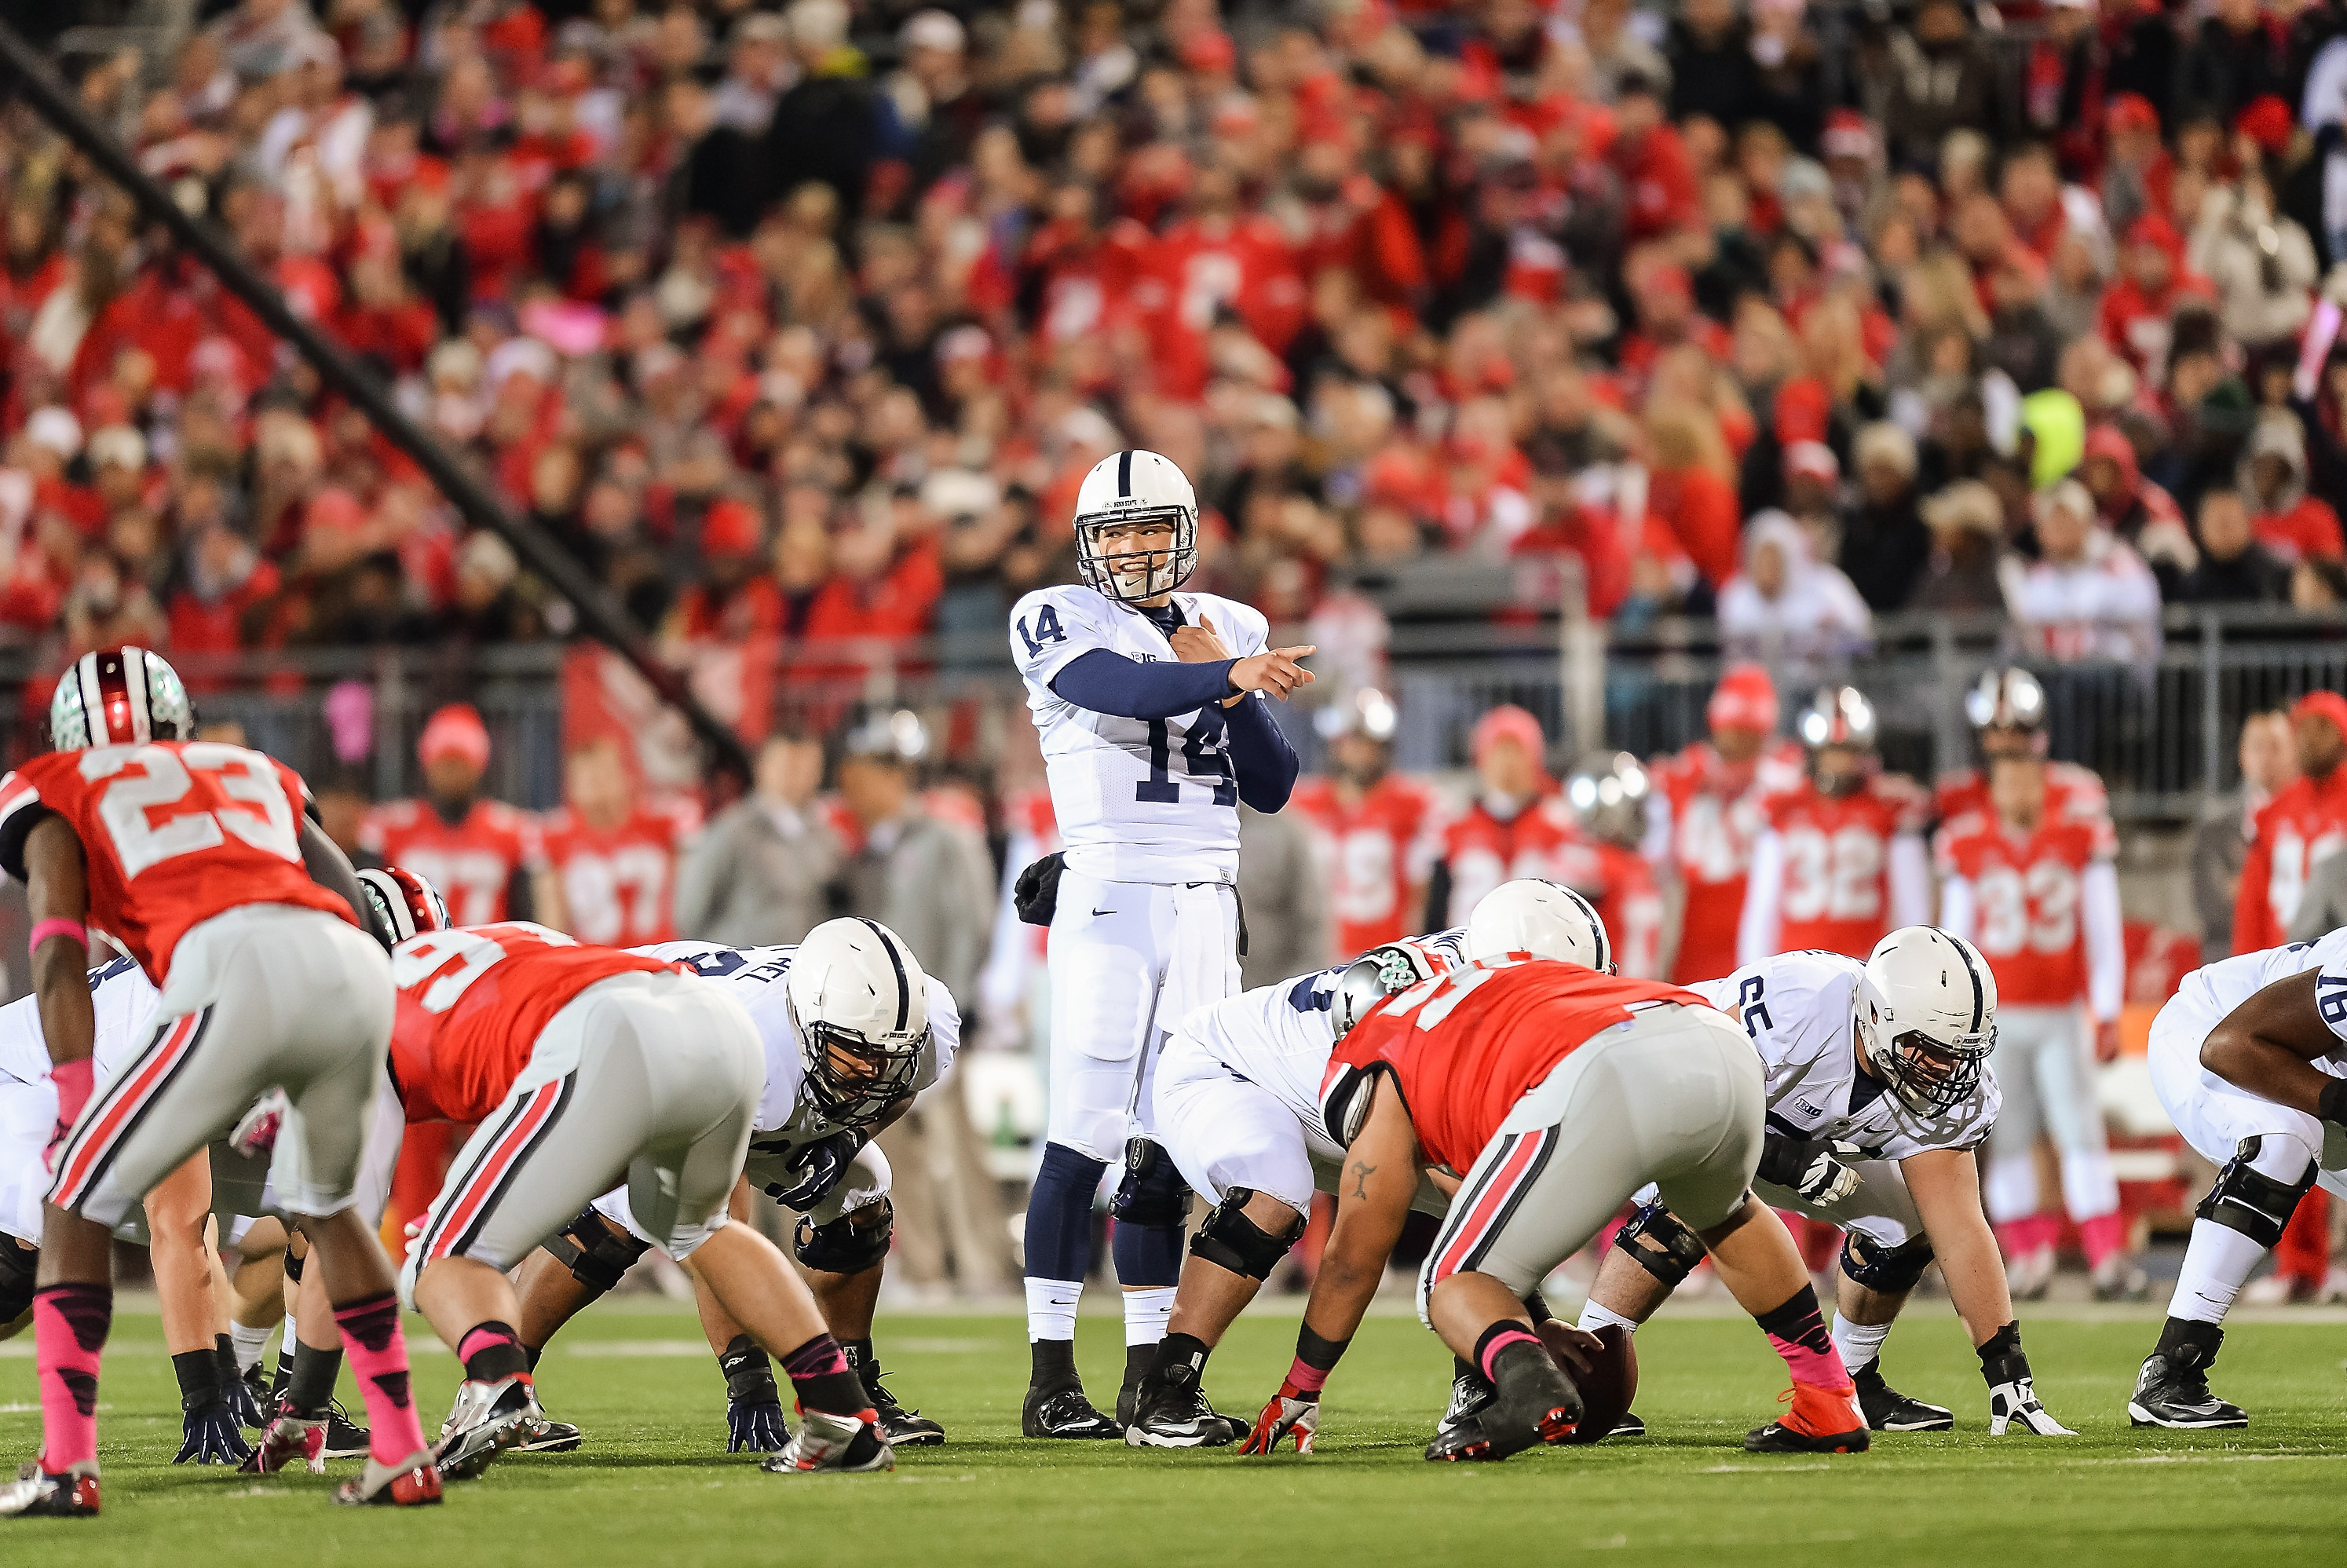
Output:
x=1607 y=1377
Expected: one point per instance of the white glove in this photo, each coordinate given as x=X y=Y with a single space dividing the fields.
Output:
x=255 y=1134
x=1808 y=1166
x=2017 y=1401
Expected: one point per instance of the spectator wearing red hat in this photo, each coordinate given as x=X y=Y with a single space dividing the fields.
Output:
x=1706 y=814
x=2140 y=311
x=481 y=854
x=2135 y=510
x=2240 y=55
x=1650 y=159
x=2139 y=172
x=734 y=599
x=1504 y=834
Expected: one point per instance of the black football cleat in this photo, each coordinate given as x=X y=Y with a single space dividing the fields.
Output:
x=1172 y=1412
x=1889 y=1410
x=1470 y=1393
x=246 y=1396
x=36 y=1493
x=1629 y=1425
x=2172 y=1391
x=345 y=1438
x=901 y=1427
x=1461 y=1443
x=1532 y=1402
x=549 y=1437
x=1063 y=1412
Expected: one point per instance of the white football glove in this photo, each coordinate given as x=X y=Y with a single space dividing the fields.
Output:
x=2012 y=1392
x=255 y=1134
x=1810 y=1167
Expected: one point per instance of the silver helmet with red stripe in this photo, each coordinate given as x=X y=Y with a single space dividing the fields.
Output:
x=859 y=1003
x=405 y=904
x=125 y=697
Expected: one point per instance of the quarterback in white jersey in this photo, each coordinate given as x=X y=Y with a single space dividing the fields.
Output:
x=2250 y=1059
x=1858 y=1137
x=1150 y=705
x=811 y=1151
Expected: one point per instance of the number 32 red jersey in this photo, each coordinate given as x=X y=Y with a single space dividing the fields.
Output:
x=175 y=831
x=1464 y=1047
x=472 y=1004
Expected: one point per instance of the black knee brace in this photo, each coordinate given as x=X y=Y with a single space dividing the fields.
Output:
x=2249 y=1201
x=1153 y=1191
x=1891 y=1270
x=1228 y=1239
x=848 y=1245
x=17 y=1266
x=595 y=1251
x=1658 y=1244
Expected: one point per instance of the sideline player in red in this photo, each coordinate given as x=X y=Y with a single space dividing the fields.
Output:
x=1603 y=803
x=1372 y=828
x=480 y=853
x=1503 y=836
x=1706 y=806
x=613 y=856
x=2037 y=893
x=1555 y=1091
x=196 y=858
x=2007 y=711
x=1840 y=861
x=587 y=1070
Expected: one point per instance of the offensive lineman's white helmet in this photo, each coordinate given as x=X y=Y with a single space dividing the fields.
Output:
x=1132 y=486
x=1927 y=1017
x=1547 y=919
x=860 y=1005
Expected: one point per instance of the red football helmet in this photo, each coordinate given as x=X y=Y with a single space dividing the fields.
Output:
x=123 y=698
x=405 y=903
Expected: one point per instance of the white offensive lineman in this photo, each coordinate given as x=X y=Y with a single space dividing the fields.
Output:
x=844 y=1060
x=1239 y=1109
x=1153 y=734
x=2250 y=1059
x=1879 y=1097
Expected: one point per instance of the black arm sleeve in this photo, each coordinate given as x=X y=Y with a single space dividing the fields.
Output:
x=1438 y=897
x=521 y=895
x=1106 y=682
x=329 y=869
x=1265 y=764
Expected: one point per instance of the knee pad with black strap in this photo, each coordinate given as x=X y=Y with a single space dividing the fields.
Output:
x=1657 y=1243
x=1889 y=1270
x=595 y=1251
x=849 y=1244
x=1228 y=1239
x=1153 y=1191
x=2248 y=1200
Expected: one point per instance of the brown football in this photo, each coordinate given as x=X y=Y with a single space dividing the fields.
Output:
x=1606 y=1377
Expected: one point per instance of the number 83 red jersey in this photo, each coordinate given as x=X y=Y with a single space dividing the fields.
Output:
x=175 y=831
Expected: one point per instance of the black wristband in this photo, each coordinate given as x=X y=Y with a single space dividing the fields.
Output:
x=749 y=1375
x=2332 y=1104
x=1320 y=1355
x=199 y=1376
x=2001 y=1356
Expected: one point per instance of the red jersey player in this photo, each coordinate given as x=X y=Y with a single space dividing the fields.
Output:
x=1604 y=802
x=613 y=857
x=197 y=859
x=2036 y=892
x=1840 y=861
x=1706 y=806
x=2007 y=710
x=588 y=1068
x=480 y=853
x=1515 y=1072
x=1373 y=830
x=1503 y=835
x=2307 y=822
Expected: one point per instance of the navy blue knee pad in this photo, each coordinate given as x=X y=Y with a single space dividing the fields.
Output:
x=848 y=1245
x=1153 y=1191
x=1891 y=1270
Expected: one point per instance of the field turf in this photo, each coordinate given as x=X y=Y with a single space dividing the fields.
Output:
x=653 y=1485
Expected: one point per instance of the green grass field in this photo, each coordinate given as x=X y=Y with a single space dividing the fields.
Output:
x=653 y=1485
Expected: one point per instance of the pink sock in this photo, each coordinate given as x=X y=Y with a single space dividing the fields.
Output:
x=2103 y=1236
x=1797 y=1331
x=377 y=1349
x=2028 y=1234
x=70 y=1323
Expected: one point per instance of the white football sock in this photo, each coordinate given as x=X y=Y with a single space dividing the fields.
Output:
x=285 y=1346
x=1593 y=1317
x=1051 y=1308
x=2216 y=1263
x=1859 y=1343
x=1145 y=1312
x=249 y=1344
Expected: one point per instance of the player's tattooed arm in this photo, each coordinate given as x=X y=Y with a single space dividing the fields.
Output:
x=2268 y=1044
x=1362 y=1170
x=1380 y=1177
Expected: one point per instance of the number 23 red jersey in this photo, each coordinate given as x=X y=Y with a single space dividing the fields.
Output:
x=175 y=831
x=472 y=1004
x=1464 y=1047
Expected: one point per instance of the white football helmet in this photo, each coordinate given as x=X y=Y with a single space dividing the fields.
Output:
x=1136 y=486
x=1547 y=919
x=1927 y=1017
x=860 y=1005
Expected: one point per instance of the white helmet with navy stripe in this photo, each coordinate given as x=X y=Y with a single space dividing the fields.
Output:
x=1136 y=488
x=124 y=697
x=860 y=1005
x=1927 y=1017
x=1547 y=919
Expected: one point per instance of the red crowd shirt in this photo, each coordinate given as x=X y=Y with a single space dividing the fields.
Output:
x=472 y=1004
x=2305 y=823
x=1370 y=854
x=1714 y=815
x=1836 y=894
x=472 y=863
x=1195 y=271
x=1464 y=1047
x=175 y=831
x=619 y=884
x=2027 y=896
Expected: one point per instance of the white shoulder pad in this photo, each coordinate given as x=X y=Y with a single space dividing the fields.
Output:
x=944 y=1036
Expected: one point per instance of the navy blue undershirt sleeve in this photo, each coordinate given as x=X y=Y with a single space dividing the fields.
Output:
x=1103 y=682
x=1265 y=763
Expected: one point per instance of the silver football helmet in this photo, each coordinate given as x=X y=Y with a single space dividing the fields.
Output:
x=1607 y=792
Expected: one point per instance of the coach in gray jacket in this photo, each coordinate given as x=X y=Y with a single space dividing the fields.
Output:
x=764 y=872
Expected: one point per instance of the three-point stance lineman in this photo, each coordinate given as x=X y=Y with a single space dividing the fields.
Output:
x=2249 y=1059
x=1152 y=736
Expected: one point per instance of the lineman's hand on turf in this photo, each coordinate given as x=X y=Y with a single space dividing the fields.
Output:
x=2017 y=1401
x=755 y=1425
x=209 y=1436
x=1292 y=1410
